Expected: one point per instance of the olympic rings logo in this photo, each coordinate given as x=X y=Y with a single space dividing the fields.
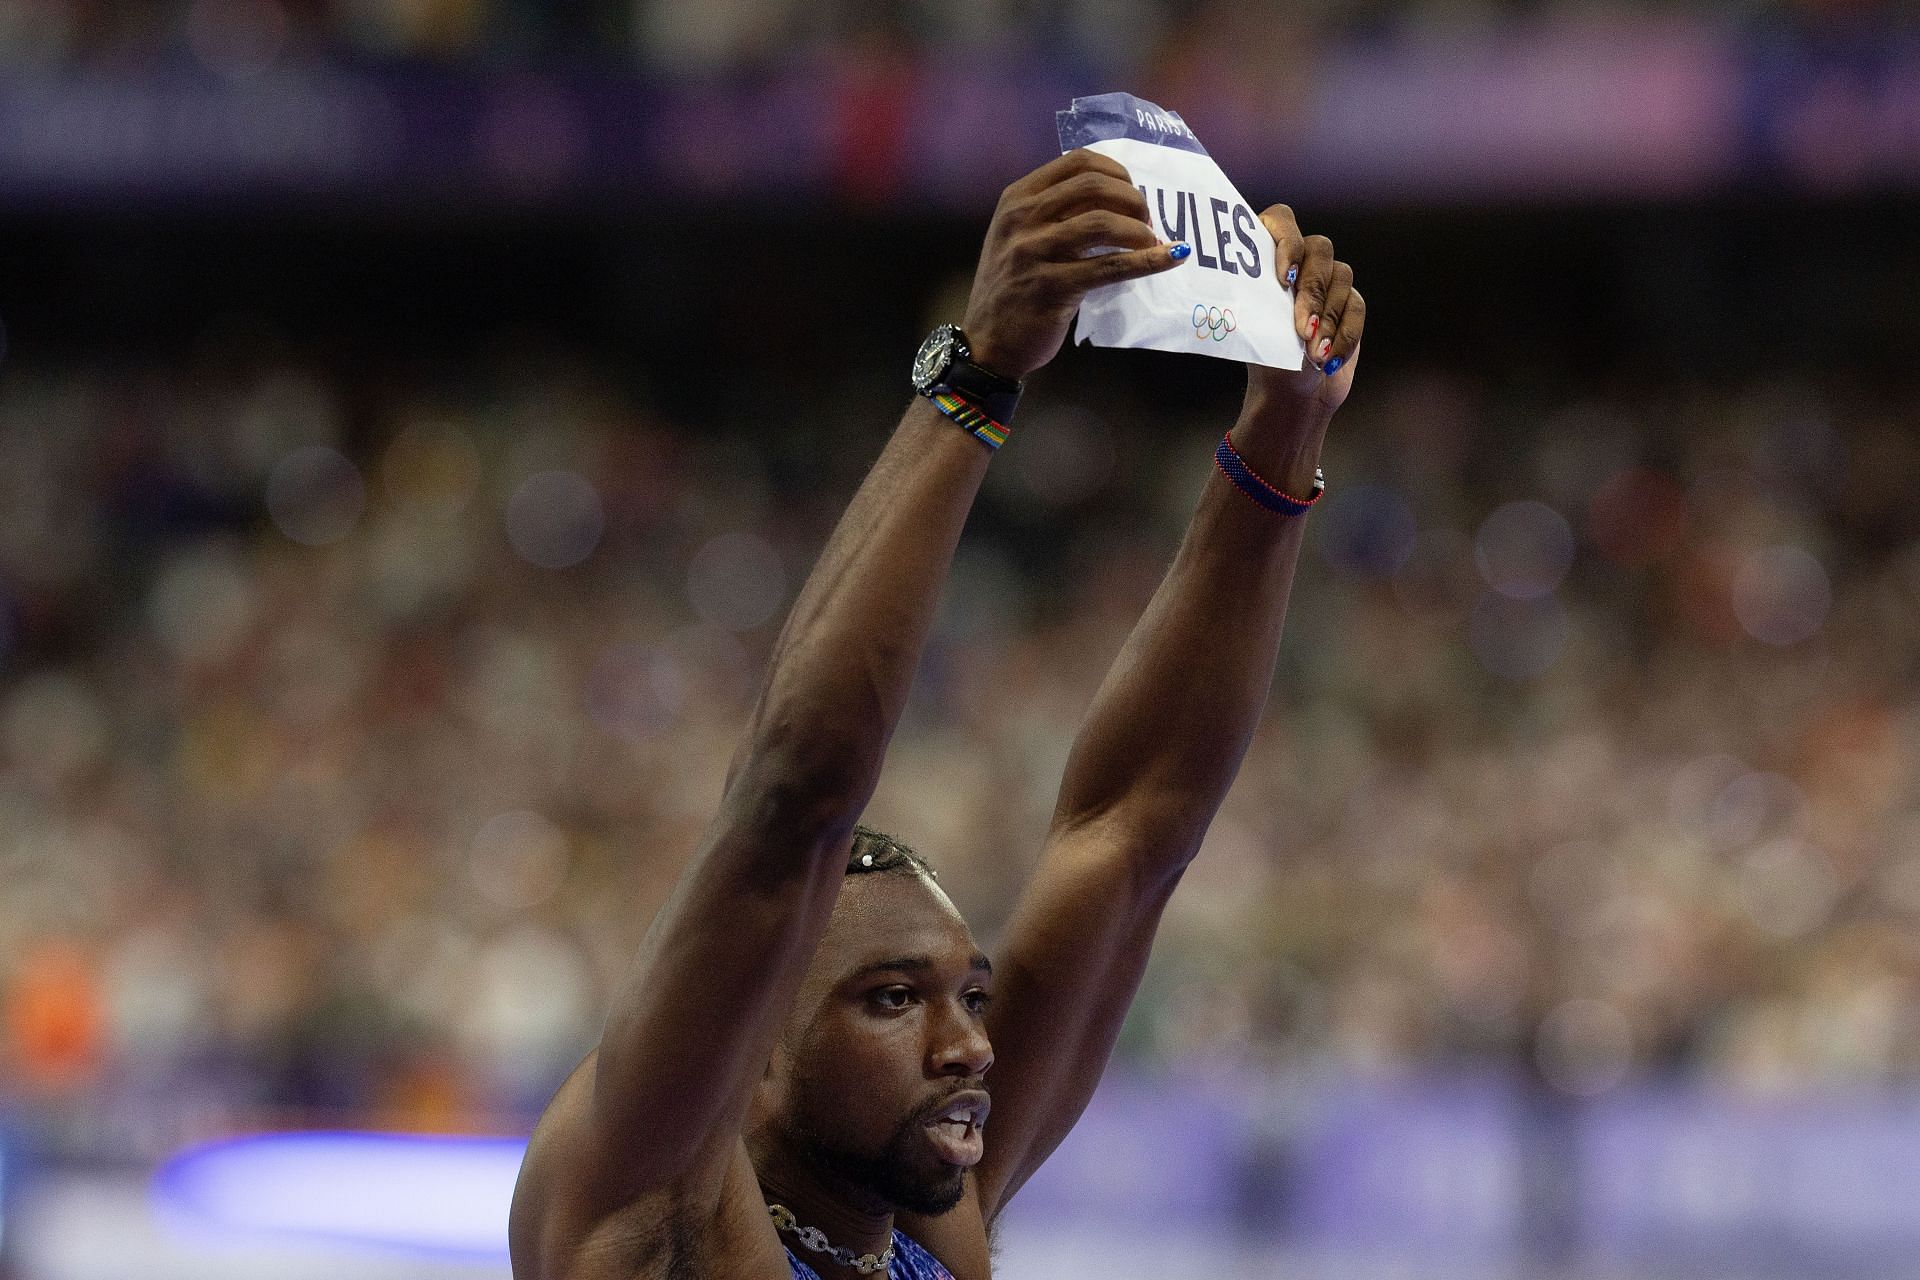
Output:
x=1212 y=322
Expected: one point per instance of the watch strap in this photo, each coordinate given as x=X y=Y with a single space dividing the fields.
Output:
x=991 y=432
x=993 y=395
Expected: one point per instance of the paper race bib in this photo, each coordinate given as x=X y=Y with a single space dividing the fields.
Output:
x=1225 y=300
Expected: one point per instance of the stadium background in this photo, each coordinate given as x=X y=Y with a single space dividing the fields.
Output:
x=416 y=417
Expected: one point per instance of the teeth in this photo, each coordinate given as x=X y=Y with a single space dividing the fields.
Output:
x=968 y=1117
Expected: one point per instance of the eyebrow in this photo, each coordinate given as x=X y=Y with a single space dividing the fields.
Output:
x=921 y=964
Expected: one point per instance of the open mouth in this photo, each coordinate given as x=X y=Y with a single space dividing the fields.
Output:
x=955 y=1129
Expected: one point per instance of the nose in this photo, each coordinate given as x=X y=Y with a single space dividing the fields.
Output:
x=961 y=1047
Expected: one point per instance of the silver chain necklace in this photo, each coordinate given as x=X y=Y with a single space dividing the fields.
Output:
x=813 y=1238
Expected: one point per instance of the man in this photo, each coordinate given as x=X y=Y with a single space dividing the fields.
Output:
x=793 y=1079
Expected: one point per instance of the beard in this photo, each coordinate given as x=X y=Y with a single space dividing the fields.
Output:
x=897 y=1174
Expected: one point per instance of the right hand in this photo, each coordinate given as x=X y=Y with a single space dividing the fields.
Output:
x=1034 y=270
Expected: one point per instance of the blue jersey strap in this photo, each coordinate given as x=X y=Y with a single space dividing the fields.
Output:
x=910 y=1262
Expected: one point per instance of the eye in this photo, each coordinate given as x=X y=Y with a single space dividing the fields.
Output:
x=893 y=997
x=977 y=1000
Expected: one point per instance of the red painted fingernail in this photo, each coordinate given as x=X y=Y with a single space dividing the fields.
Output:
x=1326 y=345
x=1313 y=326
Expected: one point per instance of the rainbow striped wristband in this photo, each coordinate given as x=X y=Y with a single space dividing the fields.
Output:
x=1236 y=470
x=969 y=415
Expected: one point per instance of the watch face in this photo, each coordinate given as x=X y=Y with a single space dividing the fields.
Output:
x=935 y=354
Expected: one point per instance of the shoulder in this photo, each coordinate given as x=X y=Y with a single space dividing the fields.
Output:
x=575 y=1218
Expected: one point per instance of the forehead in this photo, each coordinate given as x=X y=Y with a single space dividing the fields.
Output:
x=882 y=914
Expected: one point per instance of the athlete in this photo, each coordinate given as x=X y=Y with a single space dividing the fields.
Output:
x=811 y=1069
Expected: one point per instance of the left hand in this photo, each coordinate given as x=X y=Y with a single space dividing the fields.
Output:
x=1328 y=314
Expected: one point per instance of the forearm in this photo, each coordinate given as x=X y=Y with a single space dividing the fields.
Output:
x=841 y=668
x=1172 y=721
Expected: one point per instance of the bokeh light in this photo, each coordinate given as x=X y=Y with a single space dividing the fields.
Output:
x=202 y=602
x=518 y=859
x=555 y=519
x=315 y=495
x=1786 y=888
x=1751 y=805
x=1781 y=595
x=1524 y=549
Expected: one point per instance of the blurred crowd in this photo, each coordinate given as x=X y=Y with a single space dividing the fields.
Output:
x=1110 y=37
x=349 y=734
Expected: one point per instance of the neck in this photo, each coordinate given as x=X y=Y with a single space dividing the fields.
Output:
x=849 y=1220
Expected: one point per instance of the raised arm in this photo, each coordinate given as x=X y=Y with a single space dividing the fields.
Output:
x=661 y=1102
x=1161 y=744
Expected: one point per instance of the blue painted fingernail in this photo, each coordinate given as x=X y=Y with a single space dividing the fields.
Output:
x=1293 y=273
x=1180 y=251
x=1333 y=366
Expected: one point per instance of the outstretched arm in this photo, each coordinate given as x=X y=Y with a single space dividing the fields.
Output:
x=661 y=1102
x=1160 y=745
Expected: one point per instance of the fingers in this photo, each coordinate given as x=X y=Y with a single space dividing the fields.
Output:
x=1287 y=240
x=1095 y=229
x=1112 y=268
x=1345 y=343
x=1077 y=161
x=1339 y=291
x=1088 y=190
x=1310 y=293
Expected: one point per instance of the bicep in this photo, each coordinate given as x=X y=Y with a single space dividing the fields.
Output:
x=1065 y=974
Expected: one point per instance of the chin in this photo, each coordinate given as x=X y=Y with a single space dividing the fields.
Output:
x=934 y=1199
x=900 y=1178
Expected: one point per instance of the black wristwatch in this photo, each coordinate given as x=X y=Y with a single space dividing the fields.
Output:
x=944 y=365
